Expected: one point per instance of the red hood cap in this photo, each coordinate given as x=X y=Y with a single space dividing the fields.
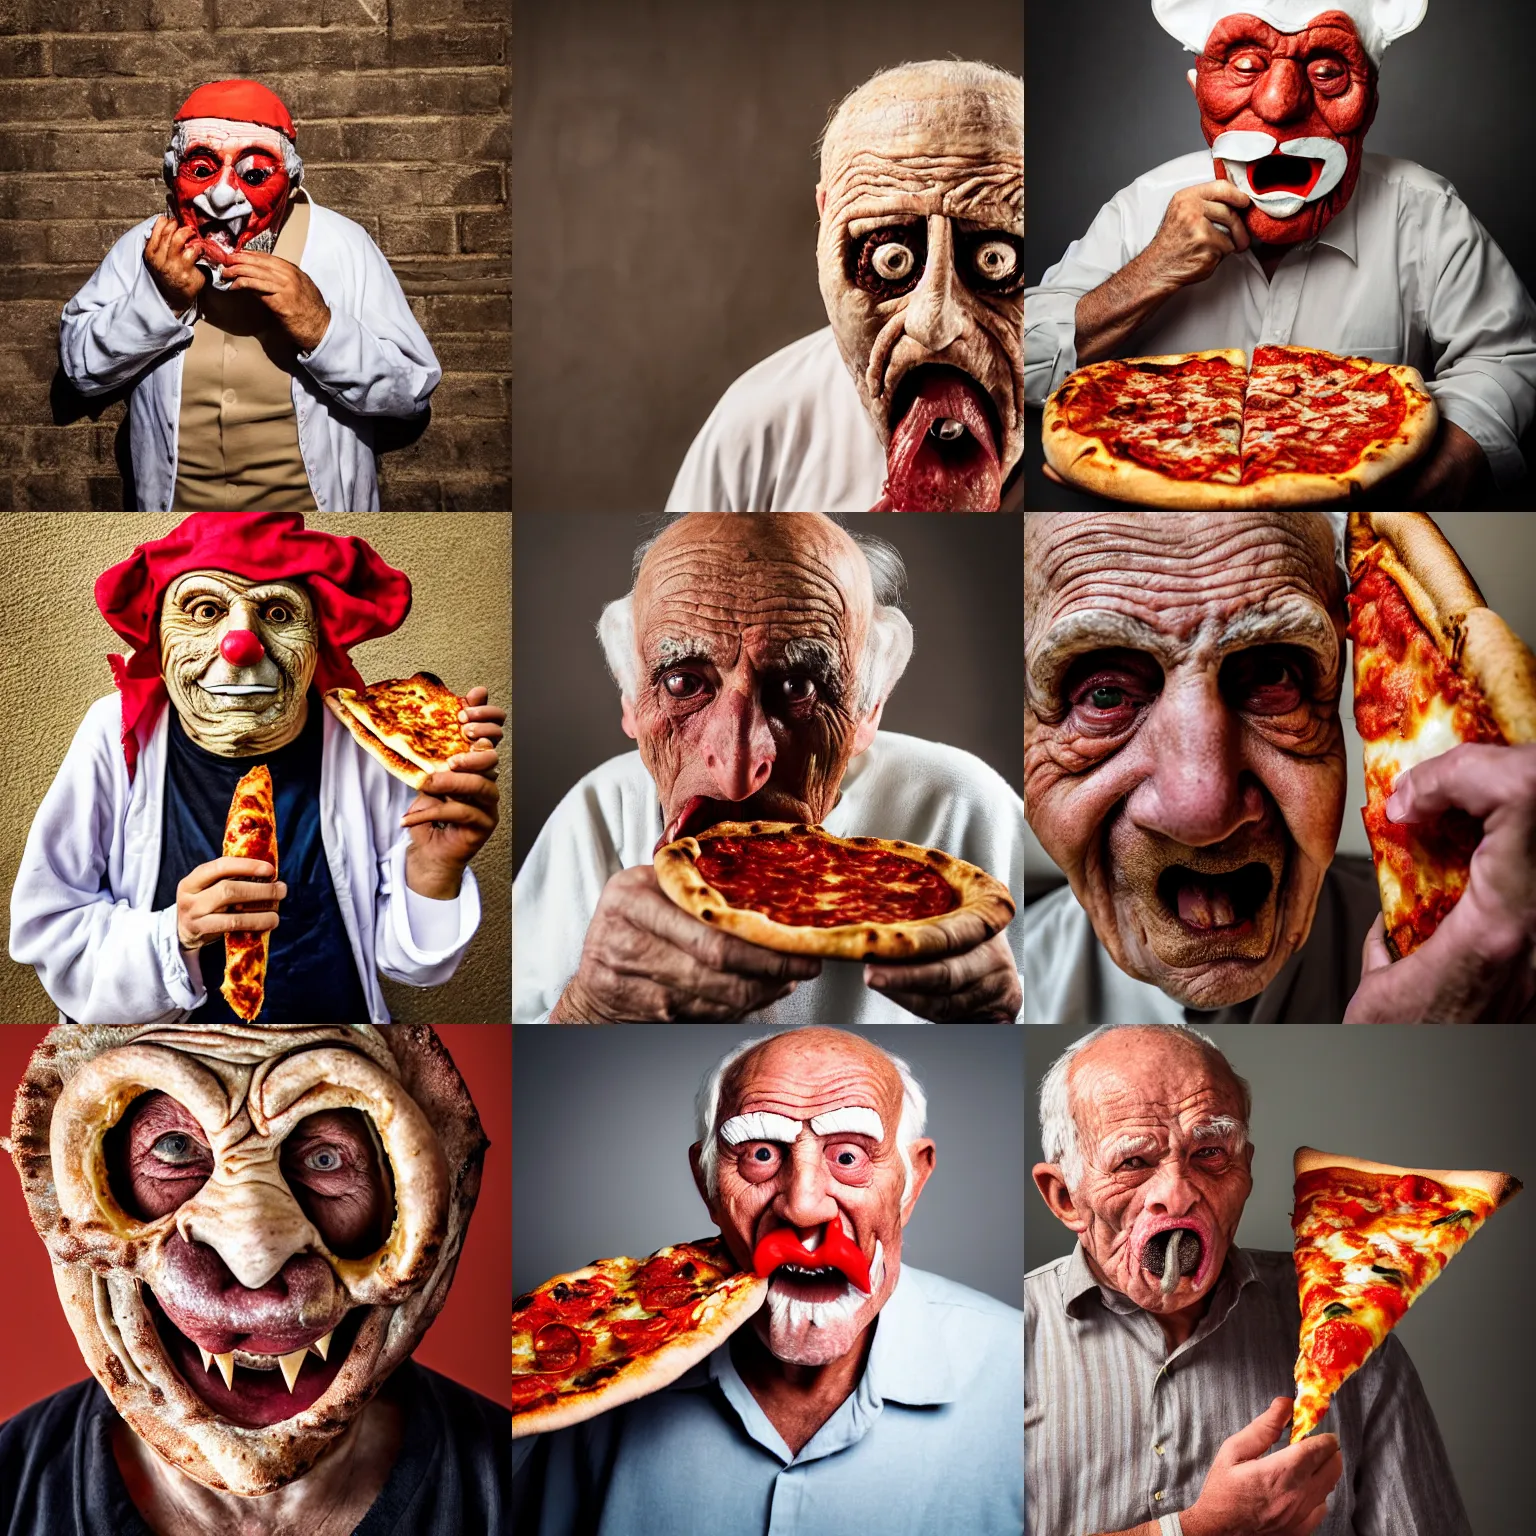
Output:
x=241 y=101
x=357 y=596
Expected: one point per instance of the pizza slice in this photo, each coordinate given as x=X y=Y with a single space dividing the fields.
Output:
x=250 y=832
x=1369 y=1238
x=410 y=724
x=619 y=1329
x=802 y=891
x=1434 y=667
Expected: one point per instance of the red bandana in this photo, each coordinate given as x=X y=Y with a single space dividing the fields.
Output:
x=357 y=596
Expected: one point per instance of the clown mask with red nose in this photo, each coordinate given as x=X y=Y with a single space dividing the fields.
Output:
x=231 y=169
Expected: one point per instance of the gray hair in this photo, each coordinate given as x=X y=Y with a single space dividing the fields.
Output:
x=292 y=162
x=1059 y=1139
x=887 y=648
x=706 y=1106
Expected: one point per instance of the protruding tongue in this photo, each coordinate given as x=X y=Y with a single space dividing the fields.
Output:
x=1205 y=904
x=943 y=455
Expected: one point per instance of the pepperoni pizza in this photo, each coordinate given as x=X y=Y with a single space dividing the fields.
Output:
x=410 y=724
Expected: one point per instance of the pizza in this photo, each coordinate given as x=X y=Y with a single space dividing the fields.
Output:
x=802 y=891
x=1434 y=667
x=1301 y=427
x=1369 y=1238
x=618 y=1329
x=411 y=724
x=250 y=832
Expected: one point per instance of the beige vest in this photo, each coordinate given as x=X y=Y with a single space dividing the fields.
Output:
x=238 y=439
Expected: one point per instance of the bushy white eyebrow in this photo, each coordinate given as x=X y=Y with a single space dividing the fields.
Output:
x=759 y=1125
x=1220 y=1128
x=1129 y=1146
x=858 y=1119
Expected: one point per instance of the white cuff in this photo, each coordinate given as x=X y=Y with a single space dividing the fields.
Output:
x=183 y=977
x=434 y=924
x=1170 y=1525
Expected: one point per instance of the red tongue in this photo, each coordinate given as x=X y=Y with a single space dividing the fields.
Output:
x=1205 y=906
x=925 y=474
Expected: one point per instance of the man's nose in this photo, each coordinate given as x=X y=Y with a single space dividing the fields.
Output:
x=805 y=1200
x=1197 y=792
x=224 y=193
x=935 y=317
x=1169 y=1192
x=240 y=644
x=737 y=743
x=1283 y=93
x=251 y=1221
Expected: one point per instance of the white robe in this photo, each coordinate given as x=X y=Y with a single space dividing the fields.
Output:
x=790 y=435
x=902 y=787
x=81 y=906
x=374 y=360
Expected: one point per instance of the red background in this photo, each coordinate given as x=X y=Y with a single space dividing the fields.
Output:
x=467 y=1342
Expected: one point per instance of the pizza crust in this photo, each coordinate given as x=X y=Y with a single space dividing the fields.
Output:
x=1499 y=1187
x=985 y=906
x=721 y=1313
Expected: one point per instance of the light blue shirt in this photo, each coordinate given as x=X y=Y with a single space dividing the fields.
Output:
x=931 y=1440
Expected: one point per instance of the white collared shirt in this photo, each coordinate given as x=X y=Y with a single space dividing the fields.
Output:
x=1405 y=274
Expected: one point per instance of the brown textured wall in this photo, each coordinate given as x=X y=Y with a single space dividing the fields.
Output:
x=402 y=115
x=53 y=648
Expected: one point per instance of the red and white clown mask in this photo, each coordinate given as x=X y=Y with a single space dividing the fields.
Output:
x=1287 y=92
x=231 y=169
x=239 y=1331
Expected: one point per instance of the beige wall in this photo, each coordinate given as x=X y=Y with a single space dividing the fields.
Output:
x=53 y=649
x=1499 y=548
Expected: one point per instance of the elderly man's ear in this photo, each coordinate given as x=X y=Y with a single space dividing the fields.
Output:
x=864 y=735
x=1053 y=1190
x=924 y=1157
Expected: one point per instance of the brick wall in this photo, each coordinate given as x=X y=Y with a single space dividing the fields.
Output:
x=402 y=115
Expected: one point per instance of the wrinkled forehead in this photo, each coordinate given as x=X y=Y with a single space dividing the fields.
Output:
x=784 y=576
x=225 y=136
x=1328 y=31
x=228 y=586
x=1175 y=574
x=803 y=1079
x=1132 y=1080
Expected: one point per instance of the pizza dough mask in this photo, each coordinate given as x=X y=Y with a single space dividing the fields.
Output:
x=239 y=1262
x=921 y=261
x=231 y=169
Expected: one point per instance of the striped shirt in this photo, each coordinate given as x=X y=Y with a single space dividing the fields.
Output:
x=1119 y=1432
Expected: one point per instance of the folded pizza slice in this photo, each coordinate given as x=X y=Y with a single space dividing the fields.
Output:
x=410 y=724
x=1369 y=1238
x=250 y=832
x=1434 y=668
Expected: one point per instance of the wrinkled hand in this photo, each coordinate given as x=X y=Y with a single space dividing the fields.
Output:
x=1201 y=228
x=645 y=959
x=1446 y=476
x=457 y=810
x=979 y=985
x=1477 y=965
x=206 y=897
x=171 y=255
x=1247 y=1493
x=295 y=302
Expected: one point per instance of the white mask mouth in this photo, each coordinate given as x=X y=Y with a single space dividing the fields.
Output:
x=1281 y=178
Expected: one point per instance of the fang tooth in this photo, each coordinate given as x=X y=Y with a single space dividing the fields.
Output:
x=322 y=1347
x=290 y=1365
x=207 y=1358
x=226 y=1365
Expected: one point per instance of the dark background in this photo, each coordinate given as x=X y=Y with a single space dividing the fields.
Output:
x=962 y=686
x=403 y=121
x=665 y=177
x=603 y=1119
x=1107 y=100
x=1426 y=1098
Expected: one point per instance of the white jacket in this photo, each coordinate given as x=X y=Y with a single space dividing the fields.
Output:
x=374 y=360
x=81 y=906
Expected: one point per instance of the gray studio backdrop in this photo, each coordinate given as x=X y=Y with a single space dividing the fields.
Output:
x=1499 y=548
x=664 y=178
x=963 y=686
x=1427 y=1098
x=1107 y=100
x=602 y=1121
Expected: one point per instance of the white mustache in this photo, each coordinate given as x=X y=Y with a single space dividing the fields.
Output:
x=1239 y=149
x=791 y=1312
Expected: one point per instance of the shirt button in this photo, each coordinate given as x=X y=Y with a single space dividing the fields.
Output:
x=1158 y=1449
x=1158 y=1495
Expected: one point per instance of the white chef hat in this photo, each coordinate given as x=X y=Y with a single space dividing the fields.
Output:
x=1379 y=22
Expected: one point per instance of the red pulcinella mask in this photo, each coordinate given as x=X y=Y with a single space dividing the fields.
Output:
x=1286 y=114
x=231 y=168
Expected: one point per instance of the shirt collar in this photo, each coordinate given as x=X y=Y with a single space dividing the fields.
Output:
x=1078 y=1284
x=1342 y=232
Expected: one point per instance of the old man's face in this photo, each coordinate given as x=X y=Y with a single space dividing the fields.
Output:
x=1183 y=757
x=811 y=1186
x=750 y=632
x=1166 y=1165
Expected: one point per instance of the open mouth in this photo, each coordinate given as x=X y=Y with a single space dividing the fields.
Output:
x=945 y=443
x=1172 y=1255
x=1206 y=903
x=220 y=236
x=822 y=1284
x=258 y=1380
x=700 y=812
x=1295 y=174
